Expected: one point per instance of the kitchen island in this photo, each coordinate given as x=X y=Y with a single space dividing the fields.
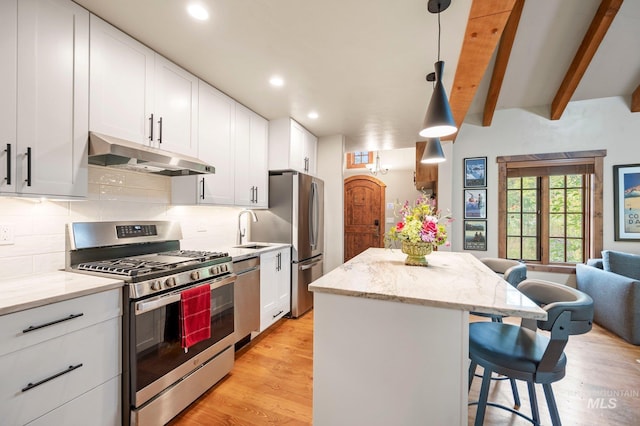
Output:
x=391 y=341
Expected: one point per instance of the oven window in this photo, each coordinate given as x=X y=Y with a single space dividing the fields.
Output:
x=157 y=337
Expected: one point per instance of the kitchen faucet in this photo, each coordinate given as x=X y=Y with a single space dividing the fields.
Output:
x=241 y=233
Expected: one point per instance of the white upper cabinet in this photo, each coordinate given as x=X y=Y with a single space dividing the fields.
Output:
x=216 y=121
x=139 y=95
x=121 y=84
x=176 y=106
x=251 y=148
x=8 y=50
x=45 y=111
x=291 y=147
x=215 y=140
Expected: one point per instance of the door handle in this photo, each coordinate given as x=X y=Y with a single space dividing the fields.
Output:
x=8 y=151
x=151 y=128
x=160 y=131
x=28 y=179
x=377 y=225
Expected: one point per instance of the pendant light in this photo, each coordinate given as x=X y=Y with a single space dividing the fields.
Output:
x=438 y=120
x=433 y=152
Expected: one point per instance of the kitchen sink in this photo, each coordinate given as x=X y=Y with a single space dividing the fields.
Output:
x=252 y=246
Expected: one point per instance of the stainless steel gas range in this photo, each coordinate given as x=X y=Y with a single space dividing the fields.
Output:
x=159 y=378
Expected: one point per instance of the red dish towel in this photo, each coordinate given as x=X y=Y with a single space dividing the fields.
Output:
x=195 y=315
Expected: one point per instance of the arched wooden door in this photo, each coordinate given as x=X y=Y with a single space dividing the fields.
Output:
x=363 y=214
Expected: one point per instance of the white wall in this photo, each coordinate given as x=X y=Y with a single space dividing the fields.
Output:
x=113 y=195
x=585 y=125
x=330 y=158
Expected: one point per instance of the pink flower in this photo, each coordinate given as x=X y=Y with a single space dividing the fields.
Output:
x=399 y=226
x=430 y=227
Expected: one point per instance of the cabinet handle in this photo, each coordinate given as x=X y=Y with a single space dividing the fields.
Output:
x=160 y=131
x=151 y=128
x=202 y=194
x=36 y=384
x=8 y=151
x=306 y=164
x=37 y=327
x=277 y=314
x=28 y=180
x=256 y=200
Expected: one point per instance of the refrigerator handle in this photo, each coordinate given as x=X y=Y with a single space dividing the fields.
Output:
x=313 y=215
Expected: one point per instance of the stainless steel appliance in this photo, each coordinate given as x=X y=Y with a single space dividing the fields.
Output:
x=247 y=299
x=295 y=216
x=159 y=378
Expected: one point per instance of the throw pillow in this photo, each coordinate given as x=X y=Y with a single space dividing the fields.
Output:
x=621 y=263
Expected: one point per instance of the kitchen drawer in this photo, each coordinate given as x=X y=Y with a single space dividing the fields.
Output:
x=95 y=351
x=57 y=319
x=98 y=407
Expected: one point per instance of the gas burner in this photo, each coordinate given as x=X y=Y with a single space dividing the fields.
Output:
x=196 y=254
x=127 y=267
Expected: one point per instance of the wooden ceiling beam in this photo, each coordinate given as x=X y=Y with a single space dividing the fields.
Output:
x=635 y=100
x=590 y=43
x=502 y=60
x=487 y=20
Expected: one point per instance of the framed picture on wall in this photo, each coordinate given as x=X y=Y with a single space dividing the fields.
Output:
x=475 y=203
x=475 y=235
x=475 y=172
x=626 y=193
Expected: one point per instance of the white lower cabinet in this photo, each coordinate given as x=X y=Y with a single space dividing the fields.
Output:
x=100 y=404
x=275 y=286
x=62 y=354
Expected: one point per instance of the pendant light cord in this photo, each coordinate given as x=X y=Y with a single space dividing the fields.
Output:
x=438 y=32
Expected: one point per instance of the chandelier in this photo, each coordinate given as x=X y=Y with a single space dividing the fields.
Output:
x=376 y=168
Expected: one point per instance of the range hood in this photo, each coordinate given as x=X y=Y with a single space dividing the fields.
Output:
x=114 y=152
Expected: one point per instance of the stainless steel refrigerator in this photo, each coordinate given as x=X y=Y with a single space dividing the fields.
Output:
x=295 y=216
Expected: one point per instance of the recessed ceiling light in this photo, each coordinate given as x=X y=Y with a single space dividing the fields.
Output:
x=313 y=115
x=276 y=81
x=198 y=12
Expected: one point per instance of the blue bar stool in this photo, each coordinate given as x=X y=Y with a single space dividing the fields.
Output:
x=520 y=353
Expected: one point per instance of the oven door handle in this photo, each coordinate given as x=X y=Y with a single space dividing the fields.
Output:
x=166 y=299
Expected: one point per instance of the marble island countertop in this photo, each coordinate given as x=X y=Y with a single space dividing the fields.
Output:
x=17 y=294
x=452 y=280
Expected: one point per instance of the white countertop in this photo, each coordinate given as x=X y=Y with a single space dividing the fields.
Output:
x=17 y=294
x=452 y=280
x=239 y=253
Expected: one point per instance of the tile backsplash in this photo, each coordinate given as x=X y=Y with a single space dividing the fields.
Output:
x=114 y=194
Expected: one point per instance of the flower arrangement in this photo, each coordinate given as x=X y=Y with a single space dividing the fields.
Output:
x=420 y=223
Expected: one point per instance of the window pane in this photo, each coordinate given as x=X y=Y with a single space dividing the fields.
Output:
x=574 y=250
x=513 y=224
x=530 y=201
x=574 y=181
x=513 y=201
x=513 y=248
x=574 y=200
x=556 y=250
x=529 y=248
x=556 y=200
x=530 y=225
x=556 y=225
x=574 y=225
x=556 y=181
x=530 y=182
x=514 y=183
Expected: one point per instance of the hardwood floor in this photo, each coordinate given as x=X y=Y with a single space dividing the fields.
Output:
x=271 y=384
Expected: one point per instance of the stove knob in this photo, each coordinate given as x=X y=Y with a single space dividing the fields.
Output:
x=156 y=285
x=214 y=270
x=224 y=268
x=170 y=282
x=195 y=275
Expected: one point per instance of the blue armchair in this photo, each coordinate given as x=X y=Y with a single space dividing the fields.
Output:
x=616 y=296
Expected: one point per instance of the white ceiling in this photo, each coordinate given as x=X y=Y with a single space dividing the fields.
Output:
x=361 y=64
